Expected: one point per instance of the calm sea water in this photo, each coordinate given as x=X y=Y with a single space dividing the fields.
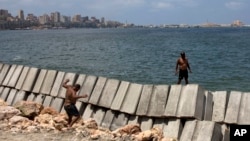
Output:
x=219 y=57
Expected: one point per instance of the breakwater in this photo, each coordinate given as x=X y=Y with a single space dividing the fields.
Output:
x=186 y=112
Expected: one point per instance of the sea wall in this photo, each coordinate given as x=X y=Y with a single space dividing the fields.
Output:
x=186 y=112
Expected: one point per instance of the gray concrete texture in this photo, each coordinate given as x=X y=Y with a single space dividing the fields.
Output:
x=181 y=111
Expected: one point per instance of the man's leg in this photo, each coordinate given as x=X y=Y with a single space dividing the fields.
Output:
x=74 y=119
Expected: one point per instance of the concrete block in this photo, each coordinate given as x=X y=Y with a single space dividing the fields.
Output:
x=11 y=96
x=47 y=101
x=108 y=119
x=191 y=102
x=119 y=120
x=31 y=97
x=120 y=95
x=88 y=112
x=173 y=129
x=9 y=75
x=219 y=106
x=71 y=77
x=4 y=72
x=98 y=115
x=39 y=98
x=208 y=106
x=146 y=123
x=81 y=78
x=144 y=102
x=30 y=79
x=225 y=132
x=173 y=100
x=48 y=82
x=57 y=84
x=108 y=93
x=1 y=90
x=39 y=82
x=88 y=87
x=233 y=107
x=132 y=98
x=133 y=119
x=158 y=100
x=57 y=103
x=244 y=113
x=22 y=77
x=5 y=93
x=20 y=96
x=188 y=130
x=97 y=92
x=160 y=123
x=15 y=76
x=207 y=131
x=1 y=66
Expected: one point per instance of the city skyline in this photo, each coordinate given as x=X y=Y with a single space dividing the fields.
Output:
x=140 y=12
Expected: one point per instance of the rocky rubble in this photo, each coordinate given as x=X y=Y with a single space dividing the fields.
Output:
x=26 y=117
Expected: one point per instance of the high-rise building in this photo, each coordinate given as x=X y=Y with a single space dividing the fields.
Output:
x=21 y=15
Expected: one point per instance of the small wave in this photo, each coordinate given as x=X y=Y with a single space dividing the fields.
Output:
x=17 y=59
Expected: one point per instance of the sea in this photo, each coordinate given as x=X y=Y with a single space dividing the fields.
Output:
x=219 y=57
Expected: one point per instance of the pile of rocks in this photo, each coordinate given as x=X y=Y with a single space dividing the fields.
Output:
x=31 y=117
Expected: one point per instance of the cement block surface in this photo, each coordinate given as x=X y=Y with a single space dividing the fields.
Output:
x=132 y=98
x=208 y=106
x=233 y=107
x=4 y=72
x=39 y=98
x=15 y=76
x=57 y=103
x=173 y=100
x=9 y=75
x=30 y=79
x=39 y=82
x=119 y=120
x=97 y=92
x=88 y=87
x=98 y=115
x=219 y=106
x=120 y=95
x=88 y=112
x=5 y=93
x=11 y=96
x=146 y=123
x=244 y=113
x=145 y=98
x=191 y=102
x=108 y=119
x=108 y=93
x=22 y=78
x=188 y=130
x=20 y=96
x=158 y=100
x=48 y=82
x=47 y=101
x=57 y=85
x=173 y=129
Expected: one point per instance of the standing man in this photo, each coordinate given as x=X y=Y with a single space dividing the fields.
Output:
x=70 y=101
x=183 y=65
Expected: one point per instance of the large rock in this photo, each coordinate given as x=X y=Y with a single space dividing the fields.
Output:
x=149 y=135
x=127 y=130
x=29 y=109
x=7 y=112
x=49 y=110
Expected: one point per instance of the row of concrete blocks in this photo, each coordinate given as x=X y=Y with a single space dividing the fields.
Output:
x=189 y=101
x=182 y=129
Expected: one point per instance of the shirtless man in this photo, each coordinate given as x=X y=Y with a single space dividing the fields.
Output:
x=70 y=101
x=183 y=65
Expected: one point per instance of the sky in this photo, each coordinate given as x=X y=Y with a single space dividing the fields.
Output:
x=140 y=12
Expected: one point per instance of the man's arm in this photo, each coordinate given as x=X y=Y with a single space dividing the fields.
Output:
x=188 y=66
x=80 y=96
x=176 y=67
x=65 y=83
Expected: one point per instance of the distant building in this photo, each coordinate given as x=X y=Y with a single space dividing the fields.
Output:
x=32 y=18
x=76 y=18
x=237 y=23
x=55 y=17
x=44 y=19
x=21 y=15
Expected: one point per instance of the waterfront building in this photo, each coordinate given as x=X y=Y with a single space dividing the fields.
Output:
x=21 y=15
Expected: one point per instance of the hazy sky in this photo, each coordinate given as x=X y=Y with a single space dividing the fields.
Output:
x=140 y=12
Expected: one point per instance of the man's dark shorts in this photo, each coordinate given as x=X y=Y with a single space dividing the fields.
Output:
x=183 y=74
x=71 y=110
